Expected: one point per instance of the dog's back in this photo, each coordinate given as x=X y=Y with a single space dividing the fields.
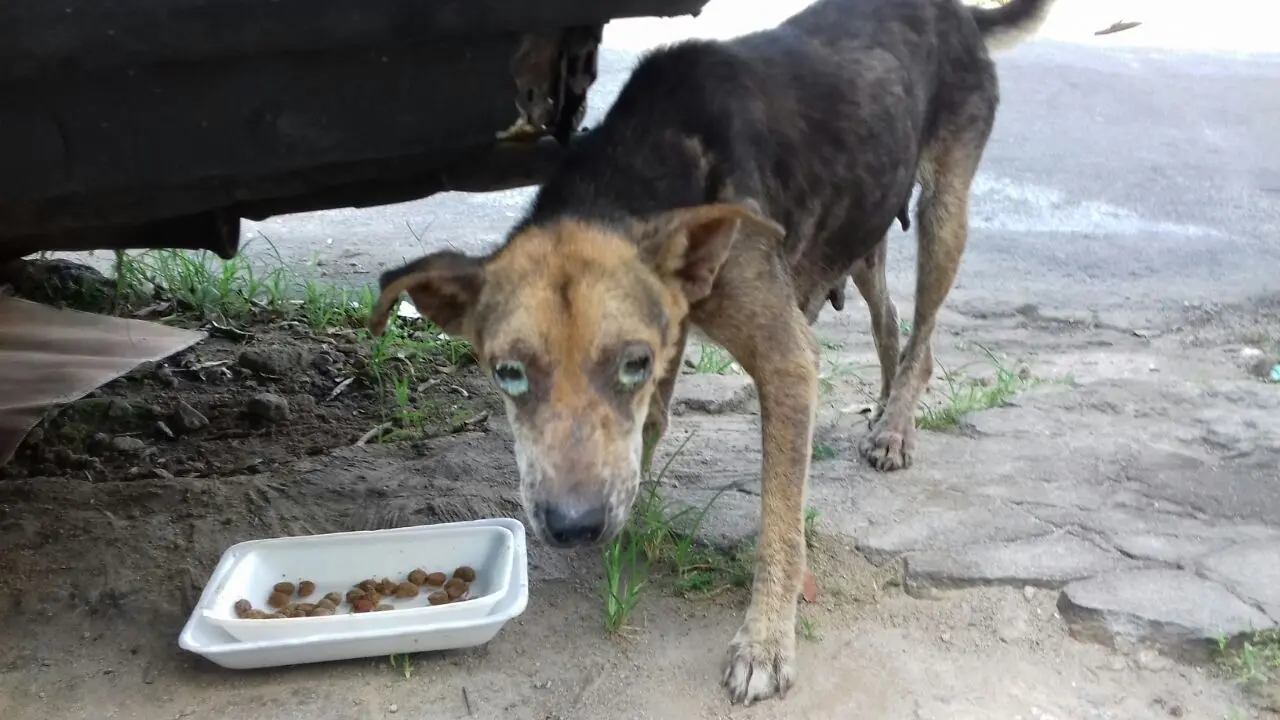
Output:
x=820 y=120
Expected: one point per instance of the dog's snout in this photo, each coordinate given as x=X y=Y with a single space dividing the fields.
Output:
x=568 y=525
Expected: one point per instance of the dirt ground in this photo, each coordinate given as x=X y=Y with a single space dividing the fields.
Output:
x=106 y=546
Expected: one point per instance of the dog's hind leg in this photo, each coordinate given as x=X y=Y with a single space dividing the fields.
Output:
x=869 y=277
x=947 y=168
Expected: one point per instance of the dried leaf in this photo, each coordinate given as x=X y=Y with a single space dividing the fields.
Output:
x=810 y=590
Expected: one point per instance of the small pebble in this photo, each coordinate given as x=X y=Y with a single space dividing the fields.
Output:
x=1152 y=660
x=127 y=445
x=186 y=419
x=269 y=407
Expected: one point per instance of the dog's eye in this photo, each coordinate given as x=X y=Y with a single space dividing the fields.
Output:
x=634 y=369
x=511 y=378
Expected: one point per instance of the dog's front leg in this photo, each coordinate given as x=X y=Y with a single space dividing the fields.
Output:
x=655 y=424
x=768 y=335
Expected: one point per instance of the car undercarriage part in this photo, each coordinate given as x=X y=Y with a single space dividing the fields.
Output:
x=158 y=123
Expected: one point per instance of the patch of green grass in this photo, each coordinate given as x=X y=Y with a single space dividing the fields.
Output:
x=807 y=630
x=628 y=557
x=811 y=516
x=822 y=451
x=713 y=360
x=660 y=538
x=904 y=326
x=404 y=663
x=966 y=395
x=1252 y=660
x=233 y=296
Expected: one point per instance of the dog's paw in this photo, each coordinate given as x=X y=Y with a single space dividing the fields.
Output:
x=889 y=448
x=759 y=670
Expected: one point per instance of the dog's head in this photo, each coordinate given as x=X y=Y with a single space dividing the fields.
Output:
x=574 y=322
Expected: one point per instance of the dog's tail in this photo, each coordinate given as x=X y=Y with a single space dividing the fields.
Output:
x=1011 y=23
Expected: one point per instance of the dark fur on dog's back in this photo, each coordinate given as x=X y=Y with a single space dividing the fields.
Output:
x=819 y=120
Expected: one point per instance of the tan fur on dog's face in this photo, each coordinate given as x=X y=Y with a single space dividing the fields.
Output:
x=573 y=322
x=579 y=310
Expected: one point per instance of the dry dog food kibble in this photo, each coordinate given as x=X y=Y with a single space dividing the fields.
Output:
x=455 y=588
x=366 y=596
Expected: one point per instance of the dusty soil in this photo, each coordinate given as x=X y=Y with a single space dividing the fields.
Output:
x=105 y=552
x=254 y=395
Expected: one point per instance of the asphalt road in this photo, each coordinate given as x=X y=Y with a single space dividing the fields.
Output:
x=1127 y=168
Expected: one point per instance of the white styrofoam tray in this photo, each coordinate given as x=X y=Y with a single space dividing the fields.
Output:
x=207 y=639
x=337 y=561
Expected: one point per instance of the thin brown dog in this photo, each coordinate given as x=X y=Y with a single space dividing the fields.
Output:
x=730 y=187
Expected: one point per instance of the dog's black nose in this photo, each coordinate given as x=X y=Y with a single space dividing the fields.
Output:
x=569 y=525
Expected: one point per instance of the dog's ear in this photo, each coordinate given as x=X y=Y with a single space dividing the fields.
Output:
x=443 y=286
x=689 y=245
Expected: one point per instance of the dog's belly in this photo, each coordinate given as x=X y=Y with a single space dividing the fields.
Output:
x=818 y=258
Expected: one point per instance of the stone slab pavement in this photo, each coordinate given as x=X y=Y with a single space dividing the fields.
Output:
x=1150 y=502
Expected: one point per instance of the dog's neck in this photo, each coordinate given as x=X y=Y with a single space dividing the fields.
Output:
x=597 y=182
